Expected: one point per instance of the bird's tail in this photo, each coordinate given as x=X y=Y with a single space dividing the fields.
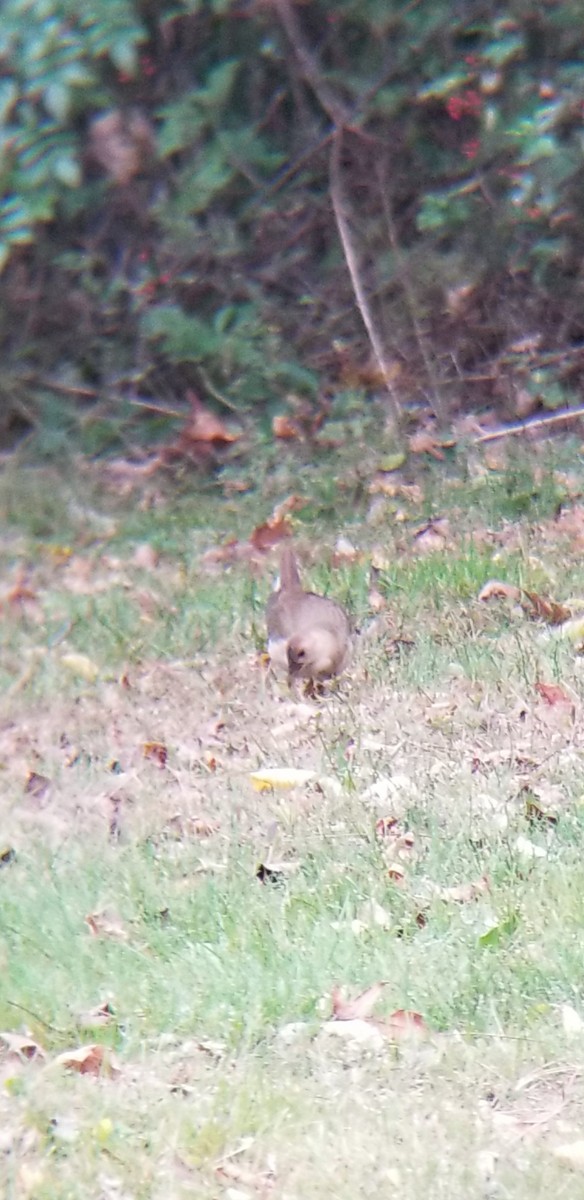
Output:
x=289 y=574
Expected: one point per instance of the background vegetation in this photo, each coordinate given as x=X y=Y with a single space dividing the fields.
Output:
x=215 y=195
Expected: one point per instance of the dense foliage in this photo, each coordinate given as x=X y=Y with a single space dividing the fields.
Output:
x=222 y=195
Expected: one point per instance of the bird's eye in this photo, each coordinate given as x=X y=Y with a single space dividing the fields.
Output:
x=300 y=655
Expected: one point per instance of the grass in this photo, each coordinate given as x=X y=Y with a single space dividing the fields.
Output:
x=229 y=1081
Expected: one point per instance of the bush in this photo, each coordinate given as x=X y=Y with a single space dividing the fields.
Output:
x=170 y=206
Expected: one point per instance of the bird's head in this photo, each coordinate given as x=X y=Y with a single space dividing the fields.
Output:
x=315 y=654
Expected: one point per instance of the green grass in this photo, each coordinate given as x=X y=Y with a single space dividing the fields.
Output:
x=220 y=987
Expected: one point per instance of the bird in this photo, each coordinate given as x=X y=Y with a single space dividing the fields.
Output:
x=308 y=634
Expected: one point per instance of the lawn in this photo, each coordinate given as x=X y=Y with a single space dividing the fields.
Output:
x=173 y=937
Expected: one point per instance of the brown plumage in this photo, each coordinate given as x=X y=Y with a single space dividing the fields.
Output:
x=307 y=633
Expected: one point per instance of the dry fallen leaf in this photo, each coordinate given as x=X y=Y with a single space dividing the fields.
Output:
x=203 y=425
x=81 y=665
x=285 y=428
x=553 y=694
x=403 y=1025
x=547 y=610
x=270 y=533
x=21 y=596
x=21 y=1046
x=155 y=752
x=464 y=893
x=105 y=924
x=426 y=442
x=37 y=786
x=95 y=1018
x=280 y=777
x=573 y=631
x=290 y=504
x=277 y=527
x=542 y=807
x=88 y=1060
x=276 y=872
x=496 y=589
x=344 y=552
x=361 y=1007
x=432 y=537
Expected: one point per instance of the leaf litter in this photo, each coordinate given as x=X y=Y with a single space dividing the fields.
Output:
x=410 y=754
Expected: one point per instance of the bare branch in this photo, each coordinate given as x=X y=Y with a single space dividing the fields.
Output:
x=342 y=220
x=569 y=414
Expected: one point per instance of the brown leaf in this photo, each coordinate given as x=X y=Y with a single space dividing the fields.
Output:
x=125 y=475
x=290 y=504
x=396 y=872
x=37 y=786
x=285 y=428
x=273 y=531
x=181 y=826
x=547 y=610
x=260 y=1181
x=385 y=484
x=361 y=1007
x=433 y=536
x=354 y=374
x=95 y=1018
x=344 y=552
x=204 y=426
x=277 y=527
x=403 y=1025
x=155 y=752
x=229 y=552
x=540 y=810
x=386 y=827
x=20 y=593
x=22 y=1047
x=104 y=924
x=426 y=442
x=276 y=872
x=464 y=893
x=552 y=693
x=87 y=1060
x=496 y=589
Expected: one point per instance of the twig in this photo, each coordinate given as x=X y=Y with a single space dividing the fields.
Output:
x=353 y=269
x=156 y=406
x=35 y=1016
x=215 y=393
x=409 y=292
x=86 y=393
x=569 y=414
x=338 y=112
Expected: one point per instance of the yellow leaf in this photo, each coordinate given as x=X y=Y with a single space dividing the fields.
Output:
x=279 y=777
x=81 y=665
x=392 y=462
x=573 y=631
x=104 y=1129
